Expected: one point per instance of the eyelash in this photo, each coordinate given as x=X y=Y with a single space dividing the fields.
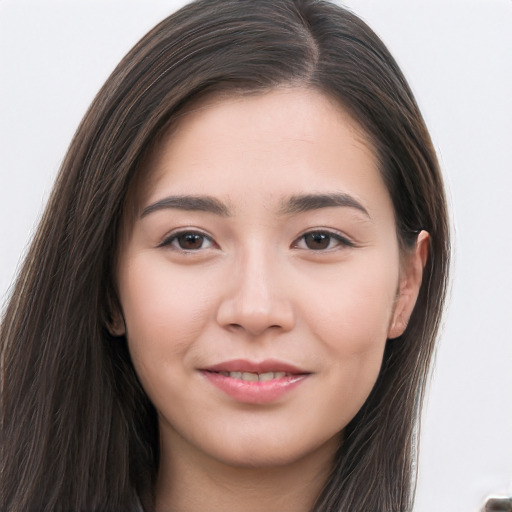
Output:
x=169 y=241
x=331 y=236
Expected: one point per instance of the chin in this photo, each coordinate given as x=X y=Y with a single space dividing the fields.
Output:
x=268 y=453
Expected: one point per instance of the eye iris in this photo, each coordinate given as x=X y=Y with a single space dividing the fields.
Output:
x=317 y=241
x=190 y=241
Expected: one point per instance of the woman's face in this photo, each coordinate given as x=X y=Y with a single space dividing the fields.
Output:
x=261 y=279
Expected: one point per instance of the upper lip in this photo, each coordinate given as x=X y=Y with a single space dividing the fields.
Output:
x=268 y=365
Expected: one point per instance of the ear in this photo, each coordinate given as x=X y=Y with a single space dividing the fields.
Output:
x=411 y=275
x=115 y=324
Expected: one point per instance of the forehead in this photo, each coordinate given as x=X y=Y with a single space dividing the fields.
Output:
x=282 y=142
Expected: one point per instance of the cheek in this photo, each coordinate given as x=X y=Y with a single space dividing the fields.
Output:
x=164 y=312
x=350 y=316
x=353 y=308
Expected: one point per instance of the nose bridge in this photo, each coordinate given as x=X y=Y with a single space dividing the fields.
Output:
x=256 y=298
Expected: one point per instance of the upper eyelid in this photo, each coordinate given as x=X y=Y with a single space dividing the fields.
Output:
x=181 y=231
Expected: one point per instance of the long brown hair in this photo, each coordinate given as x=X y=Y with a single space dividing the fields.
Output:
x=77 y=430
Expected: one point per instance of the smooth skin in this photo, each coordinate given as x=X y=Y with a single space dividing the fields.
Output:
x=254 y=271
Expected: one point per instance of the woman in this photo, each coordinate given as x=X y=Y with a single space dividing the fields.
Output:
x=233 y=296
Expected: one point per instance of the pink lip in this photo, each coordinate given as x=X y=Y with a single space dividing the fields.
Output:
x=255 y=392
x=268 y=365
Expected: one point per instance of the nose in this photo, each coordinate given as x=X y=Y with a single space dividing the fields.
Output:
x=256 y=298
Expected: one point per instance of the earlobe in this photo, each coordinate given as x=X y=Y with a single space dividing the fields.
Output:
x=409 y=287
x=115 y=324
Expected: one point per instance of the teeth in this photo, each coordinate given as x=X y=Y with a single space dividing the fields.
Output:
x=253 y=377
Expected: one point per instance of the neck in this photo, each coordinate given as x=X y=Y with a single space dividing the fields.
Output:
x=191 y=482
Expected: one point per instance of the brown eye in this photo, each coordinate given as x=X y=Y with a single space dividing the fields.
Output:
x=322 y=241
x=188 y=241
x=317 y=241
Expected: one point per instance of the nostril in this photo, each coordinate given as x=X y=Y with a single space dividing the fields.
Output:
x=252 y=329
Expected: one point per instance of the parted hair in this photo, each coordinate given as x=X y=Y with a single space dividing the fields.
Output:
x=78 y=432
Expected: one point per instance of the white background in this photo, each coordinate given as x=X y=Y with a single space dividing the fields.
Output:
x=54 y=56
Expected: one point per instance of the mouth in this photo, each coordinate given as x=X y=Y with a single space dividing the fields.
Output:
x=255 y=377
x=249 y=371
x=255 y=383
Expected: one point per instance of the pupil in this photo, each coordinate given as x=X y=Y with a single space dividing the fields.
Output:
x=317 y=241
x=190 y=241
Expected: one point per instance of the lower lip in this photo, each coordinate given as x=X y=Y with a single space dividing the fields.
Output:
x=254 y=392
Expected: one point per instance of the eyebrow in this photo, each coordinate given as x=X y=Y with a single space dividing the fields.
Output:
x=304 y=203
x=191 y=203
x=293 y=205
